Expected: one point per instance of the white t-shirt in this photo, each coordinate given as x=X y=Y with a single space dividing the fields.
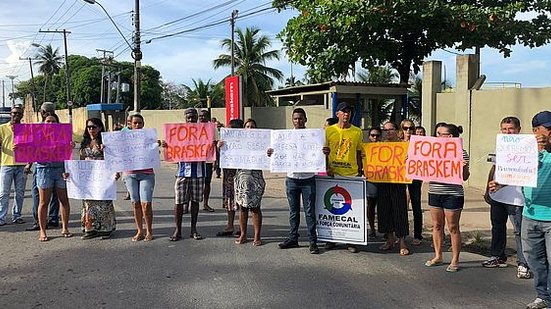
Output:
x=511 y=195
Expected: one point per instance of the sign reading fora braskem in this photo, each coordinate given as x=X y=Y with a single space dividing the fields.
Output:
x=340 y=210
x=190 y=142
x=435 y=159
x=42 y=142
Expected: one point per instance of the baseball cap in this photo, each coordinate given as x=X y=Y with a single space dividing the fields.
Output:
x=542 y=119
x=190 y=110
x=47 y=107
x=344 y=105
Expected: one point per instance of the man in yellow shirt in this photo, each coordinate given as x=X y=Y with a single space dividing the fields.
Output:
x=345 y=151
x=11 y=171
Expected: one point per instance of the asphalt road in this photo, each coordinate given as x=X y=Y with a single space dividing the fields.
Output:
x=216 y=273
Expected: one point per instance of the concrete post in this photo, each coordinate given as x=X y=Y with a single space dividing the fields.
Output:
x=432 y=84
x=467 y=68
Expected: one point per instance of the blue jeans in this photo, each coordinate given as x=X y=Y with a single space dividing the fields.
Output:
x=9 y=174
x=140 y=186
x=536 y=244
x=306 y=187
x=53 y=214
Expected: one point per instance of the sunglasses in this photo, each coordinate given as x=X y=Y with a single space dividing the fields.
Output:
x=408 y=128
x=386 y=130
x=16 y=113
x=374 y=135
x=91 y=127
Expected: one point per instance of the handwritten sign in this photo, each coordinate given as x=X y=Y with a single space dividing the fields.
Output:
x=435 y=159
x=245 y=148
x=90 y=180
x=131 y=150
x=516 y=160
x=44 y=142
x=340 y=210
x=190 y=142
x=298 y=151
x=386 y=162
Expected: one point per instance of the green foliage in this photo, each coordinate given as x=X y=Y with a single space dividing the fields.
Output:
x=329 y=36
x=197 y=94
x=251 y=56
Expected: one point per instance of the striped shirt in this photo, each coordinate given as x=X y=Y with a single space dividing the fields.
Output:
x=191 y=169
x=447 y=188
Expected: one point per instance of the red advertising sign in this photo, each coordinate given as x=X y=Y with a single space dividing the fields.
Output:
x=233 y=99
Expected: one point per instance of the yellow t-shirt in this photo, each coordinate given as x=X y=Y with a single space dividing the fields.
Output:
x=6 y=138
x=344 y=145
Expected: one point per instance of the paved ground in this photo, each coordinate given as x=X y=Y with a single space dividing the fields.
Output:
x=216 y=273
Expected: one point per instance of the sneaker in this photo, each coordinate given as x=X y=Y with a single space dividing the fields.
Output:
x=523 y=272
x=538 y=303
x=288 y=243
x=314 y=248
x=353 y=249
x=494 y=262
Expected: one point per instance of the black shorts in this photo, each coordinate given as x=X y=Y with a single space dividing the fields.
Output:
x=446 y=201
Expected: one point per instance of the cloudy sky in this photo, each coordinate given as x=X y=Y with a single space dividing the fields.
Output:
x=190 y=55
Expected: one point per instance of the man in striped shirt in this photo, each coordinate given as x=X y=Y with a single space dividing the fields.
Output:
x=188 y=188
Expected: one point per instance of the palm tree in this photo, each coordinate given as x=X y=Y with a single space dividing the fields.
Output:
x=197 y=95
x=380 y=110
x=292 y=81
x=49 y=61
x=251 y=56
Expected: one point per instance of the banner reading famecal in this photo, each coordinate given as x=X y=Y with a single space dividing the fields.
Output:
x=340 y=210
x=131 y=150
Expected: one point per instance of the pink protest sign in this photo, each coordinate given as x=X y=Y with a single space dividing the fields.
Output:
x=44 y=142
x=189 y=142
x=435 y=159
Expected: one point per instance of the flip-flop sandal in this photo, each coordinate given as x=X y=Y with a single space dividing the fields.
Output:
x=404 y=251
x=452 y=268
x=224 y=233
x=175 y=238
x=148 y=238
x=196 y=236
x=257 y=243
x=44 y=239
x=240 y=241
x=67 y=234
x=137 y=238
x=432 y=263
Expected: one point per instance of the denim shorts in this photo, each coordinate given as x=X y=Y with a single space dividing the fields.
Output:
x=140 y=186
x=50 y=177
x=446 y=201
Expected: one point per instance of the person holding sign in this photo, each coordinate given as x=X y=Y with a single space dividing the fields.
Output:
x=300 y=184
x=506 y=203
x=536 y=216
x=10 y=171
x=392 y=211
x=49 y=176
x=446 y=202
x=204 y=117
x=98 y=217
x=249 y=189
x=344 y=141
x=374 y=137
x=140 y=184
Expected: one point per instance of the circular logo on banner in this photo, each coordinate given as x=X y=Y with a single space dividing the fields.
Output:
x=337 y=196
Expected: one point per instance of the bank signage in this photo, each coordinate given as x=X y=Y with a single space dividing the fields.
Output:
x=341 y=210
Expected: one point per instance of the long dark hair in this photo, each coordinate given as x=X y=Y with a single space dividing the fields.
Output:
x=86 y=138
x=47 y=114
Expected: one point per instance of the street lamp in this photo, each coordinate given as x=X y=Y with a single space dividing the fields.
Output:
x=136 y=51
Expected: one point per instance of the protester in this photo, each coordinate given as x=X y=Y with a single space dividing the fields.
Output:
x=407 y=128
x=204 y=117
x=507 y=202
x=140 y=184
x=446 y=202
x=188 y=188
x=249 y=189
x=228 y=188
x=49 y=176
x=98 y=217
x=297 y=185
x=536 y=216
x=344 y=141
x=419 y=130
x=330 y=121
x=53 y=214
x=392 y=204
x=128 y=126
x=10 y=171
x=371 y=188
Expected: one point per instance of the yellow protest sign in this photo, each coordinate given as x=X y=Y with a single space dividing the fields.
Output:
x=386 y=162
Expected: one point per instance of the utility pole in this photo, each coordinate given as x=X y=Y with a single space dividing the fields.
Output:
x=12 y=77
x=33 y=89
x=104 y=58
x=232 y=23
x=137 y=55
x=67 y=70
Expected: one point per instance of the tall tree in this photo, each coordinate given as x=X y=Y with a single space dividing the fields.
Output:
x=251 y=54
x=197 y=94
x=331 y=36
x=49 y=62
